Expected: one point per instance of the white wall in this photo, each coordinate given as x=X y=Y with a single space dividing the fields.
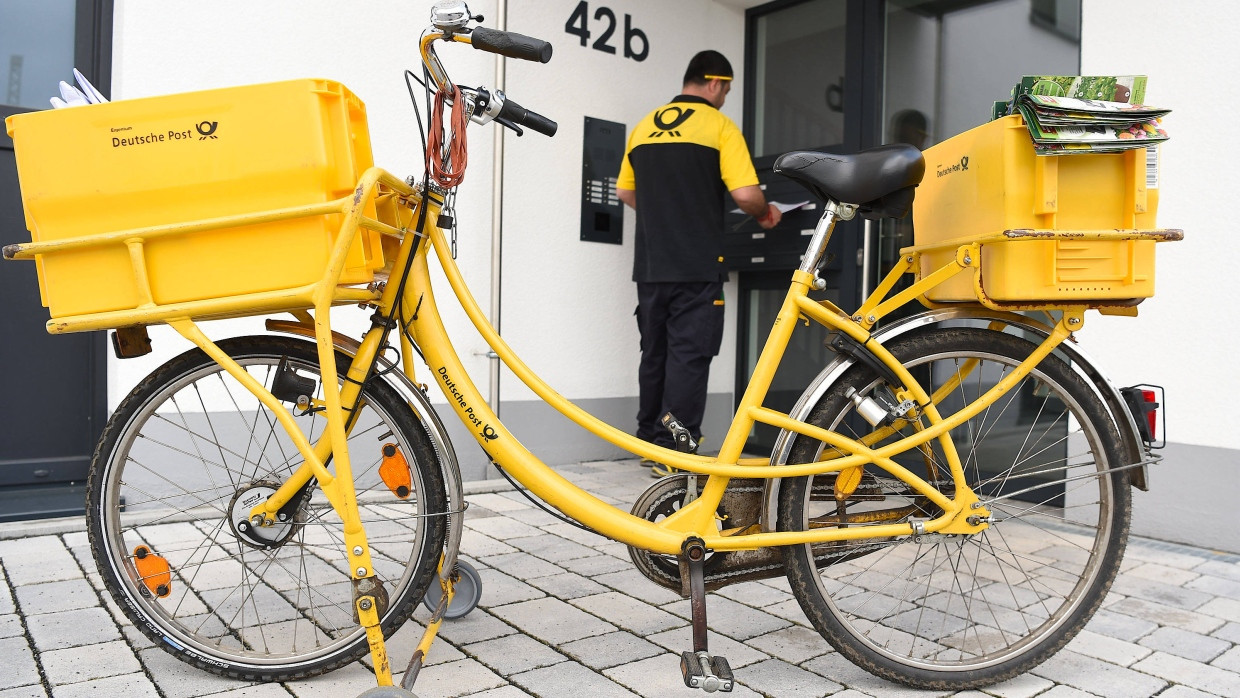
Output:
x=567 y=305
x=1185 y=336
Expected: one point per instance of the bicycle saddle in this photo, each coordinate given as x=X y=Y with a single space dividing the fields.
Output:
x=880 y=181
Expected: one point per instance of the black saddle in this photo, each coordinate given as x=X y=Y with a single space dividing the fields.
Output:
x=879 y=181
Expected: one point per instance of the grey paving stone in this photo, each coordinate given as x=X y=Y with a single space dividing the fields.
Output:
x=533 y=517
x=1182 y=691
x=6 y=597
x=590 y=539
x=778 y=678
x=51 y=597
x=89 y=662
x=514 y=654
x=567 y=585
x=1227 y=609
x=1229 y=632
x=1193 y=674
x=1158 y=592
x=1200 y=621
x=1108 y=649
x=1216 y=586
x=522 y=566
x=552 y=548
x=35 y=691
x=1162 y=573
x=836 y=668
x=1219 y=568
x=130 y=686
x=508 y=691
x=596 y=565
x=631 y=582
x=51 y=565
x=479 y=625
x=1023 y=686
x=1098 y=677
x=570 y=679
x=269 y=690
x=502 y=527
x=612 y=649
x=552 y=620
x=628 y=613
x=346 y=681
x=1068 y=692
x=18 y=663
x=1121 y=626
x=1229 y=660
x=1182 y=643
x=660 y=676
x=84 y=626
x=794 y=644
x=478 y=544
x=176 y=679
x=497 y=503
x=1171 y=555
x=755 y=594
x=11 y=625
x=499 y=589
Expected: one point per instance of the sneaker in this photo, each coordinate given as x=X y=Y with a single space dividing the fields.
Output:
x=658 y=470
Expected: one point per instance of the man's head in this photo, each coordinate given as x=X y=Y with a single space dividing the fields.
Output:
x=709 y=76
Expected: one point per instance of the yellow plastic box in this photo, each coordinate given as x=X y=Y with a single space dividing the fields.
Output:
x=188 y=157
x=988 y=180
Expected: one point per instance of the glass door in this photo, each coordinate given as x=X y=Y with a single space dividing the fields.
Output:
x=812 y=66
x=49 y=435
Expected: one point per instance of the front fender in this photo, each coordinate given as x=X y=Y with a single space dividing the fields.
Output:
x=1080 y=362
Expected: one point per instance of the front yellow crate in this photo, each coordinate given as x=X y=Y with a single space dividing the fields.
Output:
x=988 y=180
x=184 y=158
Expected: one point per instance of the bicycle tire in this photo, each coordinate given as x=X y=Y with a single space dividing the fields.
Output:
x=168 y=474
x=959 y=612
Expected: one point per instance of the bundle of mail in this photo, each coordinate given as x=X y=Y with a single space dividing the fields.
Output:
x=1069 y=114
x=84 y=93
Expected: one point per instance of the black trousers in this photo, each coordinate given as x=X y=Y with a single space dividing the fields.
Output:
x=681 y=325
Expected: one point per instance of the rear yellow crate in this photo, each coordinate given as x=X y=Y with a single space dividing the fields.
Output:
x=184 y=158
x=988 y=180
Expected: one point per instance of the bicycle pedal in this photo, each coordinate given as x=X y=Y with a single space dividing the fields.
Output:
x=700 y=670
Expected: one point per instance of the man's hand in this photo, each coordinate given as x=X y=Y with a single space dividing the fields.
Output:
x=771 y=218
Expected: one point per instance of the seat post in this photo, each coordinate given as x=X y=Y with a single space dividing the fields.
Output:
x=822 y=234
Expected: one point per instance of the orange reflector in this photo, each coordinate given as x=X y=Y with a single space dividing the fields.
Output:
x=395 y=471
x=846 y=482
x=153 y=571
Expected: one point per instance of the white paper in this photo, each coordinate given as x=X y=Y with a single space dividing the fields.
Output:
x=93 y=95
x=783 y=208
x=72 y=95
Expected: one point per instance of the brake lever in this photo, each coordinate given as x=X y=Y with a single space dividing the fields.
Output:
x=510 y=125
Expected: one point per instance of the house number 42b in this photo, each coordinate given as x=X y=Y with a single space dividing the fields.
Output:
x=578 y=22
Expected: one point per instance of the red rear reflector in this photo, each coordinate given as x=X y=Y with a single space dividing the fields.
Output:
x=1151 y=416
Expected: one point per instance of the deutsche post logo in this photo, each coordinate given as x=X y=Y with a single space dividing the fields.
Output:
x=206 y=129
x=668 y=118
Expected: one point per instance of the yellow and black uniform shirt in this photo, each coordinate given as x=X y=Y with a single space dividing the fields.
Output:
x=680 y=160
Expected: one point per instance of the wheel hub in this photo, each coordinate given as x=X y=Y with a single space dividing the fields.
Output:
x=257 y=536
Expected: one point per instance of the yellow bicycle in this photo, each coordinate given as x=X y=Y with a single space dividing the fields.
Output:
x=949 y=499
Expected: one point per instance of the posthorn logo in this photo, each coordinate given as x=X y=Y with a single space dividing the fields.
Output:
x=668 y=118
x=206 y=129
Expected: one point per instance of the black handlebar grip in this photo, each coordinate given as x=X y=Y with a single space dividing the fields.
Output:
x=511 y=44
x=521 y=116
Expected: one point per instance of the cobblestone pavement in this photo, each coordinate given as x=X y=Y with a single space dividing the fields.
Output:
x=564 y=613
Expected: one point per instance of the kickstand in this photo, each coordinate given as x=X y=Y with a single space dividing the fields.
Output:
x=698 y=668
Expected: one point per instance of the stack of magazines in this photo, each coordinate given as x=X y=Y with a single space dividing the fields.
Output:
x=1069 y=114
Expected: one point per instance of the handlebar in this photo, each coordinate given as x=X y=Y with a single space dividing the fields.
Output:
x=512 y=45
x=519 y=115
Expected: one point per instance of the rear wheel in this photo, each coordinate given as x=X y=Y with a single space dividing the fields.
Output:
x=182 y=461
x=950 y=612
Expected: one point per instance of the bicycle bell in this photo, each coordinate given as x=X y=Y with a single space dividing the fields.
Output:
x=451 y=15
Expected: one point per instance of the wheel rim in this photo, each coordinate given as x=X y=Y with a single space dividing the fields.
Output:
x=233 y=602
x=953 y=603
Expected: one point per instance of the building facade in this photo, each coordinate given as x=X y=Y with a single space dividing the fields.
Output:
x=833 y=74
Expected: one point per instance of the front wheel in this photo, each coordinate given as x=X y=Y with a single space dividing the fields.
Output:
x=183 y=460
x=949 y=612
